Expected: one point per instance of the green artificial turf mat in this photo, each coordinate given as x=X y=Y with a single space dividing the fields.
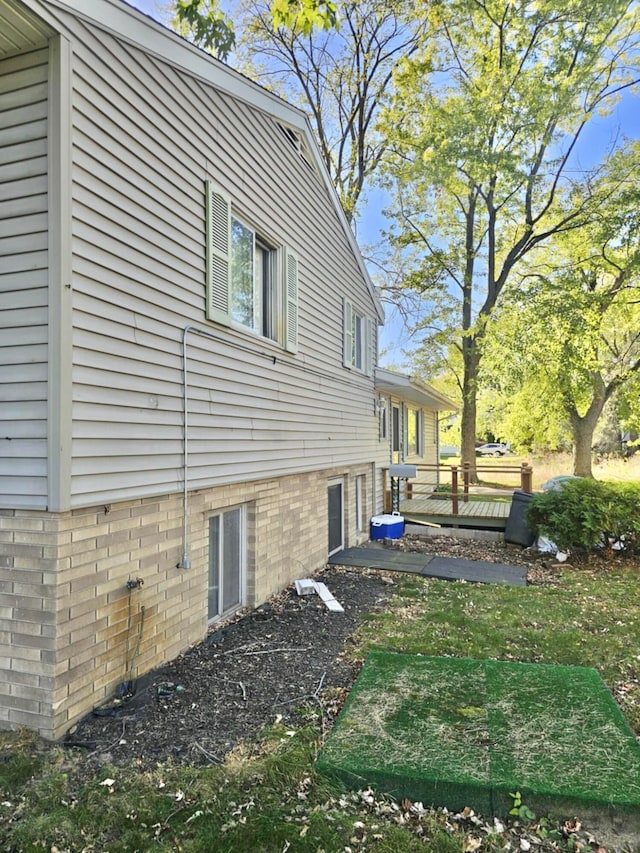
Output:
x=458 y=732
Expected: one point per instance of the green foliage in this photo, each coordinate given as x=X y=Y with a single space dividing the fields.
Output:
x=520 y=809
x=629 y=405
x=481 y=127
x=206 y=25
x=304 y=15
x=566 y=340
x=589 y=514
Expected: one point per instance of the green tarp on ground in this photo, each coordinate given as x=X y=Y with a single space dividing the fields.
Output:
x=459 y=732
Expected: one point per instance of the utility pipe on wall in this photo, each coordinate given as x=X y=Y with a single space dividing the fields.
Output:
x=185 y=562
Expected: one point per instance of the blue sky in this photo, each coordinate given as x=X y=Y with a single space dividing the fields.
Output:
x=595 y=142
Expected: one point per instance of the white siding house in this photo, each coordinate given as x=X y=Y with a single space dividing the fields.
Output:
x=187 y=350
x=409 y=410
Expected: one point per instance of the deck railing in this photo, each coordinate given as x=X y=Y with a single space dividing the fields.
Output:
x=459 y=478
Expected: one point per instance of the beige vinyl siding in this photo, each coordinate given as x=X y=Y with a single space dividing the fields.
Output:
x=23 y=280
x=429 y=453
x=429 y=444
x=145 y=140
x=430 y=437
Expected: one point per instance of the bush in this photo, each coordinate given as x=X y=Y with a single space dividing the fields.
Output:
x=588 y=514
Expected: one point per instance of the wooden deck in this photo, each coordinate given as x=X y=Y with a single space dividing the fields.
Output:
x=475 y=514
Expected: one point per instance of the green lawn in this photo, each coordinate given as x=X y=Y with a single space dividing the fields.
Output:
x=277 y=801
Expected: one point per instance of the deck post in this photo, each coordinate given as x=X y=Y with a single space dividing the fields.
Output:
x=454 y=489
x=526 y=477
x=466 y=476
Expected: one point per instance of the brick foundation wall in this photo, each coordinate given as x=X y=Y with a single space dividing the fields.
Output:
x=68 y=623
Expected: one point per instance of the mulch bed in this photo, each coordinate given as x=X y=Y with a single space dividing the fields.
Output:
x=261 y=667
x=255 y=670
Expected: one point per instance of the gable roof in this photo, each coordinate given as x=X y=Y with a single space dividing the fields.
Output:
x=134 y=27
x=413 y=390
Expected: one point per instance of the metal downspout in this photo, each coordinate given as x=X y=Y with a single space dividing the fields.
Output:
x=185 y=562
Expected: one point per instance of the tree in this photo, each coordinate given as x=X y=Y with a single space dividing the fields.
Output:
x=341 y=78
x=207 y=26
x=338 y=70
x=581 y=344
x=571 y=336
x=482 y=127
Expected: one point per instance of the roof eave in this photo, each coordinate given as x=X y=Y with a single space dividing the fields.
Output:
x=413 y=390
x=136 y=28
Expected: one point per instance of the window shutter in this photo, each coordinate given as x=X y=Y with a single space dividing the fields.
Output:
x=291 y=301
x=370 y=347
x=218 y=235
x=347 y=356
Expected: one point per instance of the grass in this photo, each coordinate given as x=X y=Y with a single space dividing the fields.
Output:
x=272 y=797
x=548 y=465
x=454 y=731
x=591 y=619
x=268 y=804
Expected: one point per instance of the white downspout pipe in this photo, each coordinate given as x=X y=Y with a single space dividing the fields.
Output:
x=185 y=561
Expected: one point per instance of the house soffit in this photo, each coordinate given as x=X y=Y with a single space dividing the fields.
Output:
x=410 y=390
x=20 y=29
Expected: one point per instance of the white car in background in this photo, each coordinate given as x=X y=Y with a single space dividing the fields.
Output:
x=492 y=449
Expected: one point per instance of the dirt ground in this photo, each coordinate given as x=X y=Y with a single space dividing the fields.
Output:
x=264 y=665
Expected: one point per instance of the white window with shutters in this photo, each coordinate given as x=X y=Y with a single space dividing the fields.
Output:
x=358 y=340
x=250 y=282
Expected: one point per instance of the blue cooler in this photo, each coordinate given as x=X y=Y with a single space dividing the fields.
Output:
x=387 y=526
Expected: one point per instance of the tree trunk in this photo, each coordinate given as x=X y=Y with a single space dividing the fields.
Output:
x=470 y=352
x=583 y=427
x=471 y=360
x=582 y=441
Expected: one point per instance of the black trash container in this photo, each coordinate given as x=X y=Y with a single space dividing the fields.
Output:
x=517 y=530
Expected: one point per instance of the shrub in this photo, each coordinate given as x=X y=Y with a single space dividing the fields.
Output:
x=588 y=514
